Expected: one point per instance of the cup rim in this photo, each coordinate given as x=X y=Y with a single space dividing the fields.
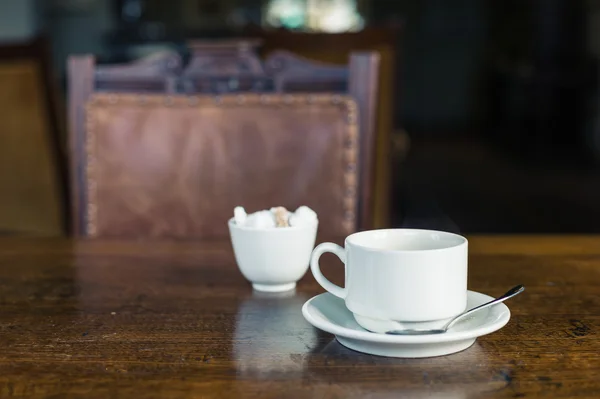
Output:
x=463 y=241
x=232 y=224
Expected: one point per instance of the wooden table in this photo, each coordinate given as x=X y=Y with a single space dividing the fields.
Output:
x=134 y=320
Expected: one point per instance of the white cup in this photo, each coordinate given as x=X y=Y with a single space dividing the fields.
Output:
x=396 y=278
x=273 y=259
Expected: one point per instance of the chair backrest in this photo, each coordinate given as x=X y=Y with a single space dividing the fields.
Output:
x=279 y=74
x=33 y=167
x=176 y=166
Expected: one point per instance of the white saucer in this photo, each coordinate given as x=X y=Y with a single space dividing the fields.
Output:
x=329 y=313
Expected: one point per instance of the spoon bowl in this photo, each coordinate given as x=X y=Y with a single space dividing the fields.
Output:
x=509 y=294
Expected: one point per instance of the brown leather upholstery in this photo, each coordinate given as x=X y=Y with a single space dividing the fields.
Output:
x=176 y=166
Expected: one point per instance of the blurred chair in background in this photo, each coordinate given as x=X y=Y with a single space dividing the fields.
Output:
x=33 y=168
x=175 y=166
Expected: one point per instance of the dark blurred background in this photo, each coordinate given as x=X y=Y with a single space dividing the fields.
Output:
x=496 y=117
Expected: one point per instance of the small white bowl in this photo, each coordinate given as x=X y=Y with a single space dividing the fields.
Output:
x=273 y=259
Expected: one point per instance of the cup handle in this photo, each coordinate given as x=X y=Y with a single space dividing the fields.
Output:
x=316 y=269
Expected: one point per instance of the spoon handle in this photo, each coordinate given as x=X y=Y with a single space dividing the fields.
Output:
x=509 y=294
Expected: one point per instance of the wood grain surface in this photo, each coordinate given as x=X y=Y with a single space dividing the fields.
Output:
x=112 y=319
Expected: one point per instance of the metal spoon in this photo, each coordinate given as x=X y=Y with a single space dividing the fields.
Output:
x=509 y=294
